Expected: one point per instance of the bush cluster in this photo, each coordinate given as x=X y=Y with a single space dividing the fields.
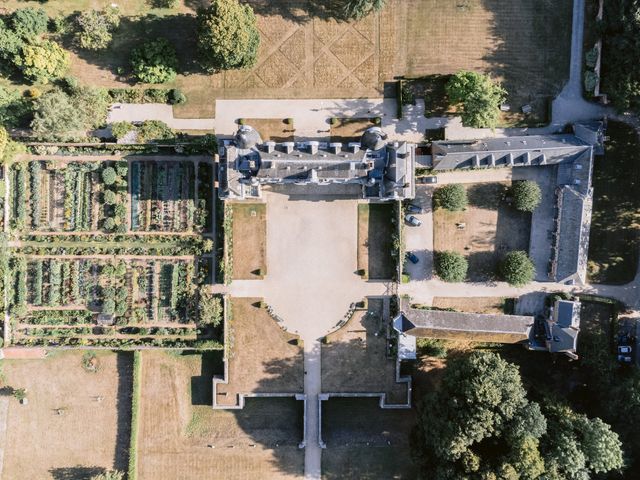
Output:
x=451 y=197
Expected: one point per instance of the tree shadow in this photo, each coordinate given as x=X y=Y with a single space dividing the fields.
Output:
x=124 y=367
x=488 y=196
x=75 y=473
x=300 y=11
x=212 y=364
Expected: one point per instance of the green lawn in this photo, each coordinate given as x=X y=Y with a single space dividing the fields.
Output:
x=615 y=228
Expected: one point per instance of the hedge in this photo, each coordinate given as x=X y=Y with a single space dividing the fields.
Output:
x=135 y=406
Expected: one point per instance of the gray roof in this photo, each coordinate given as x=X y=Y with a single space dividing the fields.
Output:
x=247 y=137
x=480 y=327
x=563 y=327
x=373 y=139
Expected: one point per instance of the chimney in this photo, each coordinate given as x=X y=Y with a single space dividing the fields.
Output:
x=270 y=146
x=288 y=147
x=313 y=147
x=335 y=147
x=354 y=146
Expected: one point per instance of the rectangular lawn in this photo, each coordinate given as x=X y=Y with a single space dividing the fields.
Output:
x=375 y=240
x=249 y=240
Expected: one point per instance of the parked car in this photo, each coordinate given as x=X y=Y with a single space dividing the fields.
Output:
x=412 y=257
x=624 y=349
x=625 y=358
x=413 y=221
x=411 y=208
x=429 y=179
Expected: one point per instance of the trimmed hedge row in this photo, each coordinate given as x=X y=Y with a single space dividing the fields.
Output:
x=132 y=473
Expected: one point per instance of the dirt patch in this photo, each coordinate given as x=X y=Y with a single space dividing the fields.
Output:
x=274 y=129
x=249 y=240
x=489 y=228
x=181 y=439
x=354 y=358
x=345 y=130
x=471 y=304
x=76 y=423
x=375 y=232
x=365 y=441
x=262 y=357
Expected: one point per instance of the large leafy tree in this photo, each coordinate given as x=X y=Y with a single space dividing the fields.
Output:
x=95 y=28
x=478 y=96
x=154 y=62
x=517 y=269
x=479 y=425
x=357 y=9
x=228 y=37
x=451 y=266
x=526 y=195
x=451 y=197
x=29 y=22
x=43 y=61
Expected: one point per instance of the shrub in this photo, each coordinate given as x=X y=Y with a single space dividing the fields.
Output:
x=451 y=266
x=135 y=406
x=162 y=3
x=95 y=28
x=526 y=195
x=357 y=9
x=478 y=96
x=109 y=224
x=29 y=22
x=432 y=347
x=32 y=93
x=109 y=176
x=4 y=139
x=109 y=306
x=109 y=197
x=154 y=62
x=227 y=35
x=517 y=269
x=451 y=197
x=43 y=61
x=154 y=130
x=120 y=129
x=176 y=97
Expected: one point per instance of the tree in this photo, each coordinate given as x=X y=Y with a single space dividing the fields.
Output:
x=120 y=129
x=517 y=269
x=228 y=36
x=154 y=62
x=478 y=96
x=357 y=9
x=95 y=28
x=43 y=61
x=452 y=197
x=479 y=422
x=526 y=195
x=109 y=197
x=154 y=130
x=109 y=176
x=451 y=266
x=109 y=305
x=29 y=23
x=110 y=475
x=162 y=3
x=209 y=309
x=10 y=43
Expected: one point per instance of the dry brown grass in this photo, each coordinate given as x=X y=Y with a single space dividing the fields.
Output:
x=471 y=304
x=274 y=129
x=175 y=434
x=88 y=436
x=354 y=357
x=375 y=241
x=249 y=240
x=492 y=229
x=262 y=357
x=346 y=130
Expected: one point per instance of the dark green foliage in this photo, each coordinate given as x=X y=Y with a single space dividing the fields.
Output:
x=478 y=96
x=162 y=3
x=120 y=129
x=209 y=309
x=451 y=266
x=29 y=22
x=176 y=96
x=34 y=201
x=432 y=347
x=451 y=197
x=10 y=42
x=15 y=109
x=228 y=36
x=526 y=195
x=357 y=9
x=109 y=197
x=517 y=269
x=154 y=62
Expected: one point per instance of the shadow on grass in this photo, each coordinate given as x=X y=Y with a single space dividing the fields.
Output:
x=300 y=11
x=78 y=472
x=124 y=366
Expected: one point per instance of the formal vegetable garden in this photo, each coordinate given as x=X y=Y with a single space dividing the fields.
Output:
x=88 y=301
x=163 y=196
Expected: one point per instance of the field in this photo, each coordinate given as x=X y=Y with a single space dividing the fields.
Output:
x=524 y=43
x=181 y=436
x=354 y=358
x=249 y=240
x=76 y=423
x=262 y=357
x=345 y=130
x=375 y=232
x=163 y=196
x=471 y=304
x=614 y=242
x=273 y=129
x=491 y=229
x=365 y=442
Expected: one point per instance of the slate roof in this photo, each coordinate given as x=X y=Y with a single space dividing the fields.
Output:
x=563 y=327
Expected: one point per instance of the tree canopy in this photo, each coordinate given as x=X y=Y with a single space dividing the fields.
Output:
x=357 y=9
x=43 y=61
x=29 y=22
x=452 y=197
x=228 y=37
x=451 y=266
x=478 y=96
x=517 y=269
x=526 y=195
x=154 y=62
x=480 y=425
x=95 y=28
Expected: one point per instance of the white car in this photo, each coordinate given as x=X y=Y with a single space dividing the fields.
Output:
x=413 y=221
